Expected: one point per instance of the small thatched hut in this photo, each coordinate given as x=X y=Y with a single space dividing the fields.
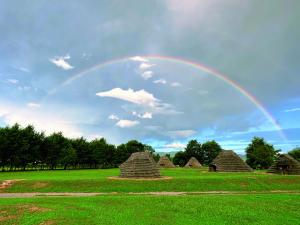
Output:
x=140 y=165
x=229 y=161
x=193 y=163
x=285 y=164
x=165 y=162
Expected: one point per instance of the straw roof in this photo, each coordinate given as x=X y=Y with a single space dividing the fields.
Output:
x=229 y=161
x=140 y=165
x=165 y=162
x=285 y=164
x=193 y=163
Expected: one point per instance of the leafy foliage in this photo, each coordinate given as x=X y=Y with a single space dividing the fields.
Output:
x=260 y=154
x=295 y=153
x=22 y=148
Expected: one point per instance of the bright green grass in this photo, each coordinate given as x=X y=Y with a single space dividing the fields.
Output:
x=167 y=210
x=183 y=180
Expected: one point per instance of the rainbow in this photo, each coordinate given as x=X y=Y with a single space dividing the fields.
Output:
x=190 y=63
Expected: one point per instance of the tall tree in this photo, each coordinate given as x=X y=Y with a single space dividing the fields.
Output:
x=295 y=153
x=211 y=149
x=260 y=154
x=180 y=158
x=194 y=149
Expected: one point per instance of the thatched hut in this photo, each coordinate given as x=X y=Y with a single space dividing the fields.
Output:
x=193 y=163
x=165 y=162
x=229 y=161
x=285 y=164
x=140 y=165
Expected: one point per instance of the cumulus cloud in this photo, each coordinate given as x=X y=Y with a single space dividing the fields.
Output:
x=139 y=59
x=175 y=84
x=181 y=133
x=145 y=66
x=33 y=105
x=46 y=121
x=175 y=145
x=60 y=61
x=146 y=115
x=113 y=117
x=127 y=123
x=140 y=97
x=147 y=74
x=160 y=81
x=292 y=110
x=12 y=81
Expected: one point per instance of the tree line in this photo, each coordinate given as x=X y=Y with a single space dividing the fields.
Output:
x=259 y=153
x=25 y=148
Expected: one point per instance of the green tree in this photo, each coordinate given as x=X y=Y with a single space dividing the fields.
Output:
x=180 y=158
x=260 y=154
x=194 y=149
x=295 y=153
x=211 y=149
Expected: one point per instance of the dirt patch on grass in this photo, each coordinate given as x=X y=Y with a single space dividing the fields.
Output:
x=141 y=179
x=48 y=222
x=7 y=184
x=40 y=185
x=32 y=208
x=5 y=218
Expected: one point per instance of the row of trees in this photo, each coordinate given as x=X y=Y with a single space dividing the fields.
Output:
x=259 y=153
x=204 y=153
x=25 y=148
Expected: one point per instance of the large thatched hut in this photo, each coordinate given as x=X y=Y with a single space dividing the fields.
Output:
x=193 y=163
x=140 y=165
x=165 y=162
x=285 y=164
x=229 y=161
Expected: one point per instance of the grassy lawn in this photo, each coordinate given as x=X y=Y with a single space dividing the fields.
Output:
x=183 y=180
x=222 y=209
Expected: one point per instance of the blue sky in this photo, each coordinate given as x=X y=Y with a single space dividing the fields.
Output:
x=163 y=103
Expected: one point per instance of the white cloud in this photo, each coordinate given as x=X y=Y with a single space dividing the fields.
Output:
x=113 y=117
x=127 y=123
x=24 y=88
x=175 y=145
x=147 y=74
x=292 y=110
x=33 y=105
x=24 y=69
x=46 y=121
x=181 y=133
x=140 y=97
x=160 y=81
x=145 y=66
x=146 y=115
x=175 y=84
x=12 y=81
x=60 y=61
x=92 y=137
x=139 y=59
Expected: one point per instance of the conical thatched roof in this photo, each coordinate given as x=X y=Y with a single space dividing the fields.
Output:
x=285 y=164
x=140 y=165
x=193 y=163
x=229 y=161
x=165 y=162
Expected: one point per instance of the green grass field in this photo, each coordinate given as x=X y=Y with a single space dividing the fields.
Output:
x=183 y=180
x=252 y=204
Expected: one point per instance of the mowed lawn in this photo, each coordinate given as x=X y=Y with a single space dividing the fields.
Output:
x=186 y=180
x=257 y=209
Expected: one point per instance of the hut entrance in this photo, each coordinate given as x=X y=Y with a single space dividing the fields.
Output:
x=284 y=169
x=213 y=168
